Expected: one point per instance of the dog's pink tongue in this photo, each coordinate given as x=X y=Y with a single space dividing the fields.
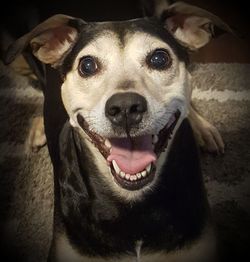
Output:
x=132 y=155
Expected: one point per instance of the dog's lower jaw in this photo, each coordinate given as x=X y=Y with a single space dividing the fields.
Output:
x=108 y=179
x=139 y=172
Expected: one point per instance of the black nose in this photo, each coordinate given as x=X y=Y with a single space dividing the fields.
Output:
x=125 y=109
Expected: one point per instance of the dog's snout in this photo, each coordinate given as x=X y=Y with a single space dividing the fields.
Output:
x=126 y=109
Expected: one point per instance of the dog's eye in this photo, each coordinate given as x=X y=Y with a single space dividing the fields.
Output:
x=88 y=66
x=159 y=59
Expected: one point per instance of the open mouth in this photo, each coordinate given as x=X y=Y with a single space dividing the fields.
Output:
x=132 y=159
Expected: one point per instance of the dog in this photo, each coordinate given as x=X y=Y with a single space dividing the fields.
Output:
x=128 y=183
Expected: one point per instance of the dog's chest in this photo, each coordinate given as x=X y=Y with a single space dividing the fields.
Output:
x=203 y=249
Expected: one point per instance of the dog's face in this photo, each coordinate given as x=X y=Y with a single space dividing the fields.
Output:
x=126 y=87
x=128 y=90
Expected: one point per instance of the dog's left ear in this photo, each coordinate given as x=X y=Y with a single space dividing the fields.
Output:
x=192 y=26
x=49 y=41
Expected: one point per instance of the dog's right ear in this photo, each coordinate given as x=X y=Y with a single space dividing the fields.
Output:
x=192 y=26
x=49 y=41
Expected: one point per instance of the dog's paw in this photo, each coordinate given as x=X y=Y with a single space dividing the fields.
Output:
x=209 y=137
x=36 y=138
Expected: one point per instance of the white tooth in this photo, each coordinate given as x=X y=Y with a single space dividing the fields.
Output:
x=122 y=174
x=143 y=173
x=133 y=177
x=148 y=168
x=107 y=143
x=127 y=176
x=138 y=175
x=155 y=139
x=116 y=167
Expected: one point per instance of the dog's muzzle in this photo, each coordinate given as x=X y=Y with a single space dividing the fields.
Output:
x=131 y=158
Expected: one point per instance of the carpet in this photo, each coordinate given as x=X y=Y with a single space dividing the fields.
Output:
x=221 y=94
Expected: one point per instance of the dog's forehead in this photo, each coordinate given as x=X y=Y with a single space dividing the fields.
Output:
x=120 y=33
x=121 y=29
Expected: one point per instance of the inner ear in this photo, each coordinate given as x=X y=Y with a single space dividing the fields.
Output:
x=192 y=31
x=173 y=21
x=192 y=26
x=51 y=46
x=49 y=41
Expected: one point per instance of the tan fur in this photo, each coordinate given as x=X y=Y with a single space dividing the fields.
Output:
x=207 y=135
x=36 y=138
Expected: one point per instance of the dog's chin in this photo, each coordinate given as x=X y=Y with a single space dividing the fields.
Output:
x=132 y=160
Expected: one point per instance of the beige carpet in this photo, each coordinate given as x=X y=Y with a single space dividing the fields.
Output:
x=222 y=94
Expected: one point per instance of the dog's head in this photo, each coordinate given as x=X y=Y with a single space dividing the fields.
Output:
x=125 y=85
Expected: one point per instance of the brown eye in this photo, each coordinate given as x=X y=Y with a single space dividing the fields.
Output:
x=159 y=59
x=88 y=66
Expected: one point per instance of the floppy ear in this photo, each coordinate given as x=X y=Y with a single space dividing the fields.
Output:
x=192 y=26
x=49 y=41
